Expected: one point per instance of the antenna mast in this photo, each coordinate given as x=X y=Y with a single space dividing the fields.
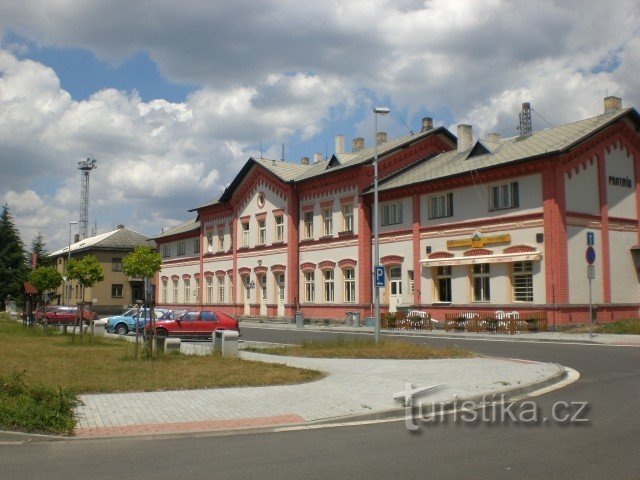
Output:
x=85 y=167
x=526 y=127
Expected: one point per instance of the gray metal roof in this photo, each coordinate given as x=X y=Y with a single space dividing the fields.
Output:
x=120 y=239
x=544 y=142
x=188 y=226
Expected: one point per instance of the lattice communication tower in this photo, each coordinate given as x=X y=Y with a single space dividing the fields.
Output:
x=85 y=166
x=526 y=127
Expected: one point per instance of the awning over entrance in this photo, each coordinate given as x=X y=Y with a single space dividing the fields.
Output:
x=499 y=258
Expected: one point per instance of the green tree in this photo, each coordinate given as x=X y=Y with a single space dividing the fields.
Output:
x=13 y=262
x=45 y=279
x=86 y=271
x=38 y=249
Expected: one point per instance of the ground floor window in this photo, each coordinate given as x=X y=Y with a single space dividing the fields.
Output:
x=187 y=290
x=197 y=290
x=329 y=292
x=247 y=288
x=209 y=289
x=116 y=290
x=263 y=288
x=443 y=284
x=221 y=289
x=395 y=281
x=349 y=275
x=522 y=281
x=280 y=287
x=309 y=286
x=231 y=296
x=164 y=291
x=480 y=275
x=175 y=291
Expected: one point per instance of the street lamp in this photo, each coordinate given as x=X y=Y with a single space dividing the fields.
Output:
x=66 y=286
x=376 y=234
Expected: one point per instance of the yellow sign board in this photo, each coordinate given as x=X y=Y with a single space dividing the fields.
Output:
x=478 y=242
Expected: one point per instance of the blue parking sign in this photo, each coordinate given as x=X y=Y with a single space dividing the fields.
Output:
x=379 y=274
x=590 y=239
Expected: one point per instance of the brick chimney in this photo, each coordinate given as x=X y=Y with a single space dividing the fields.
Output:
x=612 y=104
x=465 y=137
x=381 y=137
x=427 y=124
x=317 y=157
x=357 y=144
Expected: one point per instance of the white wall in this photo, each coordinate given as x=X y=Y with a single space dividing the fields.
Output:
x=577 y=266
x=625 y=285
x=621 y=199
x=581 y=190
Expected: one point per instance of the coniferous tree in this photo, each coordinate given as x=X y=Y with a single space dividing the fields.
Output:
x=13 y=262
x=38 y=249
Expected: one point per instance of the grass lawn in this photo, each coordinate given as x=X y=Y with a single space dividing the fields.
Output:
x=621 y=327
x=365 y=348
x=42 y=372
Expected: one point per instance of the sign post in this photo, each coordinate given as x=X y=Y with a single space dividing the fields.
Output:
x=590 y=255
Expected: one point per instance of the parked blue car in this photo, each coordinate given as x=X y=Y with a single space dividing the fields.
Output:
x=125 y=323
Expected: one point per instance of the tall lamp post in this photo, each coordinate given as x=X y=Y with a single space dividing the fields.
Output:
x=376 y=234
x=66 y=286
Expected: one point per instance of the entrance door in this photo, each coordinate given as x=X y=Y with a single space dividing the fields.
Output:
x=395 y=288
x=280 y=292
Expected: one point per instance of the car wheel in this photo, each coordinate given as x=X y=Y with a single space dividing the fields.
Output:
x=121 y=329
x=161 y=332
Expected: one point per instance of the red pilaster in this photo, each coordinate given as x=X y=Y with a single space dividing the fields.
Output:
x=234 y=246
x=293 y=251
x=201 y=237
x=417 y=270
x=365 y=271
x=636 y=164
x=604 y=228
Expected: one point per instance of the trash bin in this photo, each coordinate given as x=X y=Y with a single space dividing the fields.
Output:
x=299 y=319
x=369 y=322
x=353 y=319
x=217 y=340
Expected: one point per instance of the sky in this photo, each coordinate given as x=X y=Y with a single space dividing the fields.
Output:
x=172 y=98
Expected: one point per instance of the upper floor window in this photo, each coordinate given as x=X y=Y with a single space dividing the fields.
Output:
x=279 y=229
x=116 y=264
x=221 y=239
x=327 y=218
x=262 y=232
x=504 y=196
x=196 y=245
x=392 y=213
x=245 y=234
x=441 y=206
x=347 y=217
x=308 y=224
x=210 y=241
x=166 y=251
x=181 y=248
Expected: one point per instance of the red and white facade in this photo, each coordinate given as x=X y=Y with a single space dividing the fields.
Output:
x=497 y=226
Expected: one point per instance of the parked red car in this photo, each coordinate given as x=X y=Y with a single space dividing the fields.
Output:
x=196 y=324
x=66 y=315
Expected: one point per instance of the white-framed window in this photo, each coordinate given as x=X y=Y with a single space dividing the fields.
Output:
x=231 y=288
x=116 y=291
x=116 y=264
x=163 y=295
x=181 y=248
x=347 y=217
x=166 y=251
x=220 y=239
x=523 y=281
x=441 y=206
x=175 y=291
x=480 y=275
x=504 y=196
x=308 y=224
x=309 y=286
x=443 y=283
x=411 y=282
x=328 y=289
x=349 y=276
x=245 y=234
x=327 y=220
x=209 y=289
x=187 y=290
x=197 y=293
x=209 y=241
x=280 y=286
x=247 y=288
x=279 y=228
x=196 y=245
x=263 y=288
x=391 y=213
x=221 y=289
x=262 y=232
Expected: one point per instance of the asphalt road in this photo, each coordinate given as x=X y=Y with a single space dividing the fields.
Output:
x=607 y=446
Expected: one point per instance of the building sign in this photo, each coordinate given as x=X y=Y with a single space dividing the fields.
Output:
x=478 y=241
x=620 y=181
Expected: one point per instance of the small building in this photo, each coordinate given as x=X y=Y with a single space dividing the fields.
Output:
x=117 y=290
x=486 y=225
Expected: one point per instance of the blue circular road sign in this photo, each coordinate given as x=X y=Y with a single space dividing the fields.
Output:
x=590 y=255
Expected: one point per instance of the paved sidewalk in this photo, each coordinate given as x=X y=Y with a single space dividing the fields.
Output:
x=351 y=389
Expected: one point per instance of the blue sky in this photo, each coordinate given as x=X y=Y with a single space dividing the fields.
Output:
x=172 y=100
